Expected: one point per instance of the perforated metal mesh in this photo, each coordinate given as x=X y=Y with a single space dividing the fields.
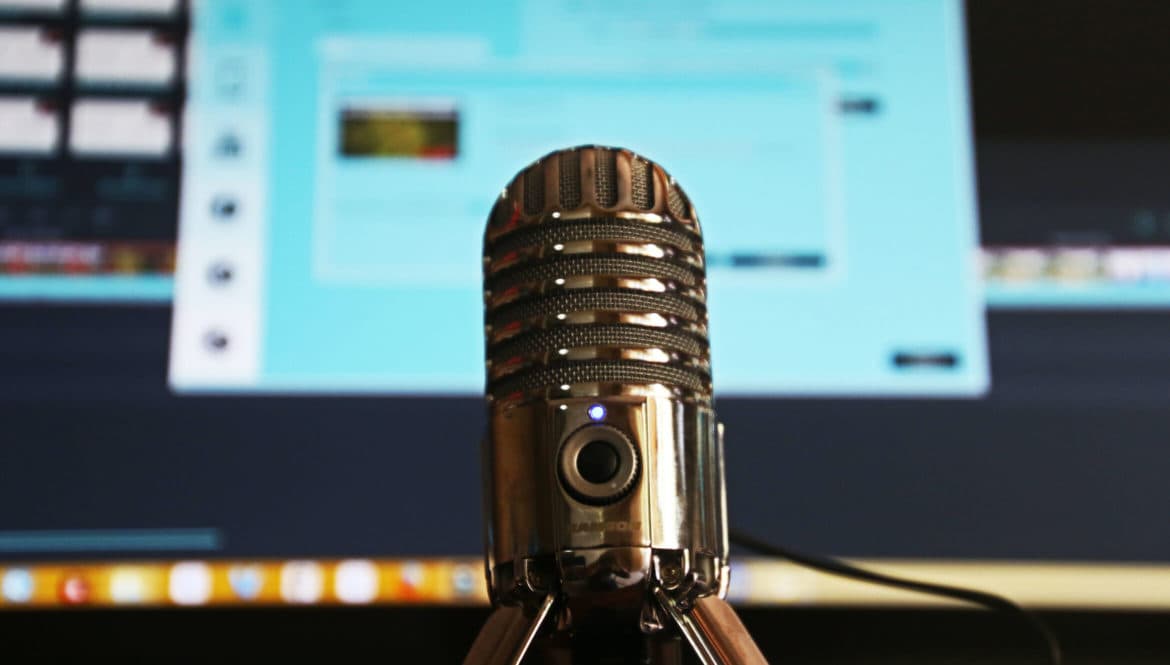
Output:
x=569 y=168
x=625 y=265
x=612 y=336
x=570 y=230
x=677 y=204
x=534 y=190
x=531 y=245
x=605 y=177
x=596 y=300
x=599 y=371
x=641 y=187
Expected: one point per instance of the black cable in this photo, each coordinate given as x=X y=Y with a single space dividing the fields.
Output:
x=837 y=567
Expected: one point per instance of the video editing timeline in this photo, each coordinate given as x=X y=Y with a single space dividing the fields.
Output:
x=1076 y=225
x=1036 y=277
x=827 y=147
x=91 y=93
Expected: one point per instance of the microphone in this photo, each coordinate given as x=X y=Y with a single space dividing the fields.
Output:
x=605 y=507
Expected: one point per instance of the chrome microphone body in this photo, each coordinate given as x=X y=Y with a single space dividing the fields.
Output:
x=603 y=463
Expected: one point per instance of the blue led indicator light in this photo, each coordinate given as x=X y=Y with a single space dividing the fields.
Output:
x=597 y=412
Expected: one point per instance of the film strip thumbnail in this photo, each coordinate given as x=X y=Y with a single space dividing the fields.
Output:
x=91 y=97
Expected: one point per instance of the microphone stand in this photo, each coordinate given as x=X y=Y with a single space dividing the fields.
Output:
x=715 y=634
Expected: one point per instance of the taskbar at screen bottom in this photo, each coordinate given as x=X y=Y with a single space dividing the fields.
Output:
x=460 y=581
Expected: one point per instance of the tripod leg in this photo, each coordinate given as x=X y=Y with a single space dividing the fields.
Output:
x=723 y=630
x=507 y=635
x=714 y=631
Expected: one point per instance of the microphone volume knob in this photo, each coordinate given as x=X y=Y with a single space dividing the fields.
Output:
x=598 y=465
x=598 y=461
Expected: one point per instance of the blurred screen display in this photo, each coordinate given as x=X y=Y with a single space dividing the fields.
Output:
x=827 y=147
x=241 y=323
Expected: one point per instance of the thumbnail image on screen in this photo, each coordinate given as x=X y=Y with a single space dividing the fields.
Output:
x=399 y=130
x=91 y=95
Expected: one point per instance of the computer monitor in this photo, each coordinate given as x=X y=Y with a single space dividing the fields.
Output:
x=241 y=311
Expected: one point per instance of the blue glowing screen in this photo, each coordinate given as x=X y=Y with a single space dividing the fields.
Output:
x=342 y=156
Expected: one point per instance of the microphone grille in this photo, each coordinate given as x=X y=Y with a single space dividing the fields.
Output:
x=594 y=282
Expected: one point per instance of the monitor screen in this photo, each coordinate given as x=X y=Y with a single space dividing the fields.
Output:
x=362 y=237
x=241 y=319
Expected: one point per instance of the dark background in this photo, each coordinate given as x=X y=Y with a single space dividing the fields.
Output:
x=1069 y=69
x=426 y=635
x=1065 y=459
